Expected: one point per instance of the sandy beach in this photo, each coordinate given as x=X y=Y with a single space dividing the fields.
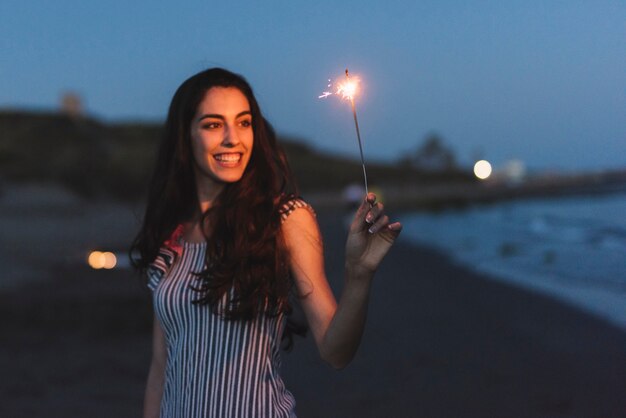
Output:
x=440 y=341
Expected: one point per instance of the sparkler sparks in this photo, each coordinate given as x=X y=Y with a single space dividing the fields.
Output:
x=325 y=94
x=347 y=90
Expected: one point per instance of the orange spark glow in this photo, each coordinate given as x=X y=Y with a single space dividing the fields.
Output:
x=347 y=89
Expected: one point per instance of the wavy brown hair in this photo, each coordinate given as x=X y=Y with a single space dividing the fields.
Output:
x=249 y=267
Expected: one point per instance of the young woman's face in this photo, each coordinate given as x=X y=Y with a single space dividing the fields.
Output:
x=221 y=137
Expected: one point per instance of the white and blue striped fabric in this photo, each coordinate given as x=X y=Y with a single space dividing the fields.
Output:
x=215 y=367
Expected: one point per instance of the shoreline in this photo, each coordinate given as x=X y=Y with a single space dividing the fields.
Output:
x=568 y=249
x=440 y=341
x=442 y=195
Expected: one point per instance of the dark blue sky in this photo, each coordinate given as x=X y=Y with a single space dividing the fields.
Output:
x=540 y=81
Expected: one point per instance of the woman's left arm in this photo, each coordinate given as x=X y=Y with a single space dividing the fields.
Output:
x=337 y=329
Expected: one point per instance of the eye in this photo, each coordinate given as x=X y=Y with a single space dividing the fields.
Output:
x=211 y=125
x=246 y=123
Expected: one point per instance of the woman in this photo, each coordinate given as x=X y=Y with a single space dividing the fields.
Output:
x=224 y=243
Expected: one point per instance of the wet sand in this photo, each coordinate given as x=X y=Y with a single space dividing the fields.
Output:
x=445 y=342
x=440 y=342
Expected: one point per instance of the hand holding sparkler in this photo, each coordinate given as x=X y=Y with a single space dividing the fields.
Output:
x=370 y=237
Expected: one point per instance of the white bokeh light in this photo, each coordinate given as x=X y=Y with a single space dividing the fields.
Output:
x=482 y=169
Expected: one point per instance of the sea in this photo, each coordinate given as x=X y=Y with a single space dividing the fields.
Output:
x=572 y=248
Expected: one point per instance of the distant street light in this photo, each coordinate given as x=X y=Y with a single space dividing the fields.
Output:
x=102 y=260
x=482 y=169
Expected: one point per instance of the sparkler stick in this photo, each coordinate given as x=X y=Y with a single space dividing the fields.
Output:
x=348 y=90
x=358 y=133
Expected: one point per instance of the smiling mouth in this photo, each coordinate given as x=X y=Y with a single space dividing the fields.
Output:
x=228 y=158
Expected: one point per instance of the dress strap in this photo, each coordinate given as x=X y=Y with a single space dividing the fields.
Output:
x=160 y=266
x=288 y=207
x=169 y=251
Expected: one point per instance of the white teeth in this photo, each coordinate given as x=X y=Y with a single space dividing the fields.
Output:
x=229 y=158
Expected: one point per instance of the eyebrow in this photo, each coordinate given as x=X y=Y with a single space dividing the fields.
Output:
x=216 y=116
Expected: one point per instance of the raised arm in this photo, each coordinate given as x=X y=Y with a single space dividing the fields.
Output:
x=337 y=329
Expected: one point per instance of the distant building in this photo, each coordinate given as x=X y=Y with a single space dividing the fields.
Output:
x=512 y=172
x=515 y=170
x=71 y=104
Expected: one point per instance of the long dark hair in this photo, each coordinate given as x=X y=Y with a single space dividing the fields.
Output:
x=248 y=257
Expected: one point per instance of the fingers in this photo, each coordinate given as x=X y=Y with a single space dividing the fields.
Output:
x=371 y=216
x=365 y=205
x=392 y=231
x=375 y=212
x=380 y=223
x=396 y=226
x=360 y=223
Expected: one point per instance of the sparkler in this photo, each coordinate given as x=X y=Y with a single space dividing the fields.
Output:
x=348 y=90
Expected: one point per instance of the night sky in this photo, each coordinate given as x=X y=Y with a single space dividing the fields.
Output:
x=543 y=82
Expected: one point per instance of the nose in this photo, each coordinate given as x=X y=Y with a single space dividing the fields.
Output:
x=231 y=137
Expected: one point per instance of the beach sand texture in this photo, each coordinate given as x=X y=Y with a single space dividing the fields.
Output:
x=440 y=341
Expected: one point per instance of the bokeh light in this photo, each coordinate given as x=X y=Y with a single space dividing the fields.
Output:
x=110 y=260
x=482 y=169
x=102 y=260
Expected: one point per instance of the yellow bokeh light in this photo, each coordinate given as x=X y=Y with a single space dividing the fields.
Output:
x=110 y=260
x=96 y=260
x=482 y=169
x=102 y=260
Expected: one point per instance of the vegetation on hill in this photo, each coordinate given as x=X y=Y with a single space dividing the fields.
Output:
x=94 y=158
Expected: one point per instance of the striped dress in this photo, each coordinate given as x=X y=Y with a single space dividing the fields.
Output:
x=215 y=367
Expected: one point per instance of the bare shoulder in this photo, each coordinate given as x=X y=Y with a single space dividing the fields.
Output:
x=298 y=220
x=305 y=250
